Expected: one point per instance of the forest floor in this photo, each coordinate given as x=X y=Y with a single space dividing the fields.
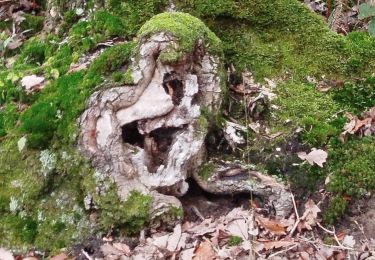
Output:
x=239 y=227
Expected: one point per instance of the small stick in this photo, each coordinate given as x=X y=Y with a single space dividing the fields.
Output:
x=197 y=212
x=283 y=251
x=86 y=255
x=361 y=228
x=297 y=216
x=332 y=233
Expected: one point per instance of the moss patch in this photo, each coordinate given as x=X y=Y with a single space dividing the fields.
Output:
x=188 y=30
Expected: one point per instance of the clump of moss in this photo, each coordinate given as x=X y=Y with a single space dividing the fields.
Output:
x=352 y=168
x=108 y=24
x=129 y=216
x=39 y=122
x=109 y=61
x=356 y=97
x=135 y=13
x=235 y=241
x=33 y=23
x=102 y=25
x=336 y=209
x=301 y=105
x=188 y=30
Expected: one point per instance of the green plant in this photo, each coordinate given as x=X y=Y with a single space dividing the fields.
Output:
x=235 y=241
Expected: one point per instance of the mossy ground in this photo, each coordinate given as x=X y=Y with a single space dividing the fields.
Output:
x=283 y=39
x=41 y=200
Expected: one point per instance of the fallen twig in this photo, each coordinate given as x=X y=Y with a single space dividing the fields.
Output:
x=282 y=251
x=332 y=233
x=298 y=219
x=197 y=213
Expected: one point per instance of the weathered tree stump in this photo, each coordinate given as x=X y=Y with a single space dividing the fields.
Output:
x=149 y=136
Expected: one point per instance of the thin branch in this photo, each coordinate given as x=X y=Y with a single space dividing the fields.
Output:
x=282 y=251
x=332 y=233
x=298 y=219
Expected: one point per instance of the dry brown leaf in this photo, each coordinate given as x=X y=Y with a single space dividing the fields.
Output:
x=273 y=226
x=204 y=251
x=268 y=244
x=310 y=216
x=205 y=227
x=124 y=248
x=316 y=156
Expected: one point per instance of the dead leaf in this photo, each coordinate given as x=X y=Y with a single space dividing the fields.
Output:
x=187 y=254
x=316 y=156
x=109 y=250
x=273 y=226
x=310 y=216
x=5 y=255
x=268 y=244
x=349 y=241
x=32 y=82
x=174 y=238
x=204 y=251
x=239 y=228
x=124 y=248
x=207 y=226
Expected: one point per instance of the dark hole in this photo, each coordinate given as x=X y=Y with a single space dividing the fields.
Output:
x=173 y=86
x=131 y=135
x=210 y=205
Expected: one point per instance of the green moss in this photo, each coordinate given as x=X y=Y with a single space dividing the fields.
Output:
x=170 y=56
x=356 y=97
x=235 y=241
x=35 y=51
x=135 y=13
x=109 y=61
x=33 y=23
x=70 y=17
x=336 y=209
x=130 y=216
x=60 y=61
x=109 y=24
x=185 y=27
x=102 y=25
x=352 y=168
x=272 y=37
x=39 y=122
x=301 y=105
x=128 y=77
